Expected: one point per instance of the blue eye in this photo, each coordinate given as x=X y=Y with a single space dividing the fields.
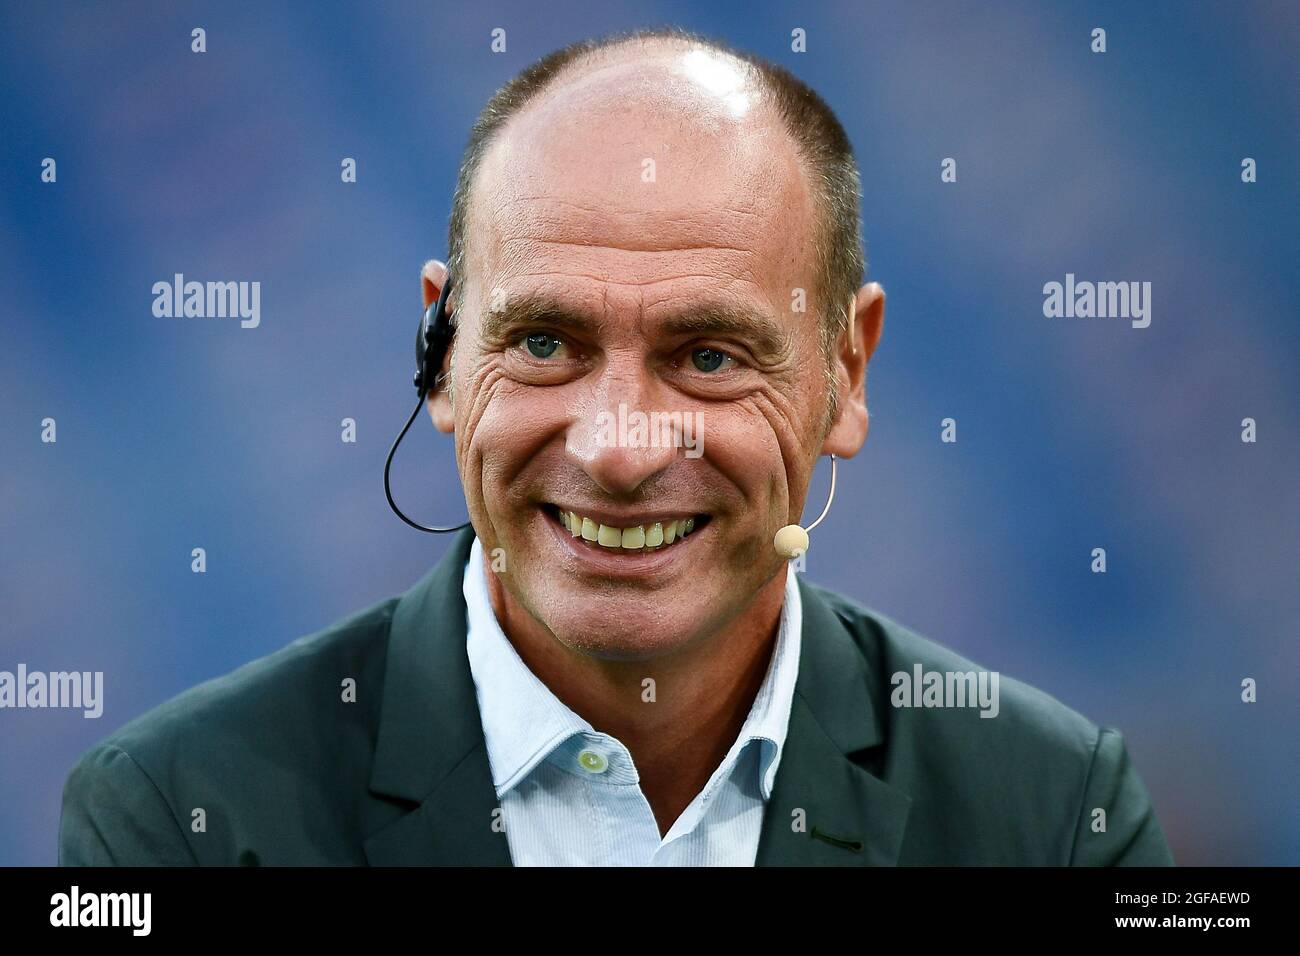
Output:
x=708 y=360
x=542 y=345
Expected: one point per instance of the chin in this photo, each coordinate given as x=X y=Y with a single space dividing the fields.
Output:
x=634 y=637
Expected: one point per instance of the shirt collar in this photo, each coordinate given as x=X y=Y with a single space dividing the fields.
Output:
x=524 y=722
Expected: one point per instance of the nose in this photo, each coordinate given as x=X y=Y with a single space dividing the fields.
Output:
x=619 y=436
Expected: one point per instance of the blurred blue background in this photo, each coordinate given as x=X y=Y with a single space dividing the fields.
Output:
x=1073 y=434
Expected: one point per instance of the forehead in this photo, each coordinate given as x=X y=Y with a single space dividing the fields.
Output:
x=656 y=172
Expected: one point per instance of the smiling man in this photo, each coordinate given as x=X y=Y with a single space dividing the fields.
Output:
x=615 y=665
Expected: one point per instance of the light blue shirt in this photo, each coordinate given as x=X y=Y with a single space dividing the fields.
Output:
x=571 y=796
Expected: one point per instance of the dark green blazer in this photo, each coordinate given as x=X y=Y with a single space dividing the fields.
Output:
x=270 y=765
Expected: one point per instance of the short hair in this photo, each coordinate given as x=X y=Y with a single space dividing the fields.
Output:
x=820 y=139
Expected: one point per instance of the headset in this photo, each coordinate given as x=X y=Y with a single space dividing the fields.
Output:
x=431 y=342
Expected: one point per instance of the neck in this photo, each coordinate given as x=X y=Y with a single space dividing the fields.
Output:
x=702 y=692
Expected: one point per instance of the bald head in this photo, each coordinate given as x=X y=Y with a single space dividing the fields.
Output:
x=630 y=161
x=667 y=111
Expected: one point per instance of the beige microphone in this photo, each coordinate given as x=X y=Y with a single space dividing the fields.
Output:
x=792 y=540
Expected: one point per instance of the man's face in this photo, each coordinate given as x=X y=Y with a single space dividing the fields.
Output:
x=630 y=201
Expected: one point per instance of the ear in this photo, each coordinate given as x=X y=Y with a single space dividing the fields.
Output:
x=432 y=278
x=853 y=352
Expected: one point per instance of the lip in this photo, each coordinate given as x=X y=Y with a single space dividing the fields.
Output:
x=616 y=563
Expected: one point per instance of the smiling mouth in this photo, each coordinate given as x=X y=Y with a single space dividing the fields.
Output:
x=636 y=539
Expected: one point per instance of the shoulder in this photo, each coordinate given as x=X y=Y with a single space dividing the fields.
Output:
x=896 y=654
x=249 y=749
x=1009 y=777
x=283 y=699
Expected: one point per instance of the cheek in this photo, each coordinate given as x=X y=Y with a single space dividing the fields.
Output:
x=767 y=435
x=506 y=429
x=775 y=451
x=745 y=451
x=740 y=443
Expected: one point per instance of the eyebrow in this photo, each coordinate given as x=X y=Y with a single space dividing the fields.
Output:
x=762 y=334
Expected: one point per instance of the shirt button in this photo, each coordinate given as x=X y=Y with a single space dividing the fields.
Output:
x=592 y=762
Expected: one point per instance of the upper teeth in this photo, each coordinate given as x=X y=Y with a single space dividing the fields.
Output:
x=640 y=536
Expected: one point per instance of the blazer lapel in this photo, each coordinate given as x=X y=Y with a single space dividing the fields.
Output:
x=431 y=773
x=826 y=808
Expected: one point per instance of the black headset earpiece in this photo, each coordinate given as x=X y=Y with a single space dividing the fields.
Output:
x=431 y=341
